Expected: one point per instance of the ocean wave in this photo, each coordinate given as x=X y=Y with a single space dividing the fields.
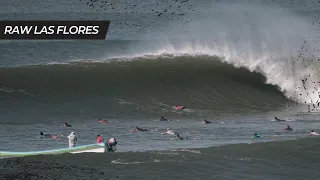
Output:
x=198 y=82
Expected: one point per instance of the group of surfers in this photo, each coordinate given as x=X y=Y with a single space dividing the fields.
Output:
x=288 y=128
x=112 y=141
x=255 y=135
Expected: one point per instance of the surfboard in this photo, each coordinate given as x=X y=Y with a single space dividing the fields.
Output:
x=168 y=133
x=95 y=148
x=256 y=136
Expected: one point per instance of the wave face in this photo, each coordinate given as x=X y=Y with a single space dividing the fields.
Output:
x=198 y=82
x=180 y=63
x=280 y=41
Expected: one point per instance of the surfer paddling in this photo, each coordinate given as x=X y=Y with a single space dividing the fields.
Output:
x=206 y=122
x=178 y=137
x=49 y=135
x=169 y=131
x=138 y=129
x=163 y=119
x=288 y=128
x=67 y=125
x=179 y=107
x=312 y=133
x=103 y=121
x=256 y=135
x=277 y=119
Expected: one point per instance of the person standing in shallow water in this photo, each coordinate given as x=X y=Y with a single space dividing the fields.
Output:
x=72 y=139
x=99 y=139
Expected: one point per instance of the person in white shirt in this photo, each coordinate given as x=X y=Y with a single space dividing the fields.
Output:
x=72 y=139
x=112 y=143
x=312 y=133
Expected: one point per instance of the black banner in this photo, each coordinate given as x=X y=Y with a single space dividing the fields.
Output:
x=54 y=30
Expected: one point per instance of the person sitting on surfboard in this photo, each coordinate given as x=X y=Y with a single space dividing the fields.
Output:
x=103 y=121
x=72 y=139
x=277 y=119
x=112 y=143
x=179 y=107
x=49 y=135
x=67 y=125
x=288 y=128
x=139 y=129
x=99 y=139
x=163 y=119
x=206 y=122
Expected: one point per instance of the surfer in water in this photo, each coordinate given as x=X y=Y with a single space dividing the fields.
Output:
x=49 y=135
x=72 y=139
x=67 y=125
x=288 y=128
x=312 y=133
x=179 y=107
x=99 y=139
x=163 y=119
x=103 y=121
x=139 y=129
x=178 y=137
x=206 y=122
x=277 y=119
x=256 y=135
x=169 y=131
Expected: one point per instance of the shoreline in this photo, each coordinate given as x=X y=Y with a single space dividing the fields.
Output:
x=145 y=165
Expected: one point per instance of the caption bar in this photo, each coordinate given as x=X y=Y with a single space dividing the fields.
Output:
x=54 y=29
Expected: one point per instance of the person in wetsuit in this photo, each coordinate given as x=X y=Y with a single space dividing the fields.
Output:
x=257 y=135
x=49 y=135
x=277 y=119
x=288 y=128
x=139 y=129
x=45 y=135
x=67 y=125
x=206 y=122
x=186 y=138
x=163 y=119
x=178 y=137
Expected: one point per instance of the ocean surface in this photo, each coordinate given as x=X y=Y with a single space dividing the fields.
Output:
x=235 y=63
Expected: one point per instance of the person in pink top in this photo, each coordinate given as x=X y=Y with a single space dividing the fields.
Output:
x=179 y=107
x=99 y=139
